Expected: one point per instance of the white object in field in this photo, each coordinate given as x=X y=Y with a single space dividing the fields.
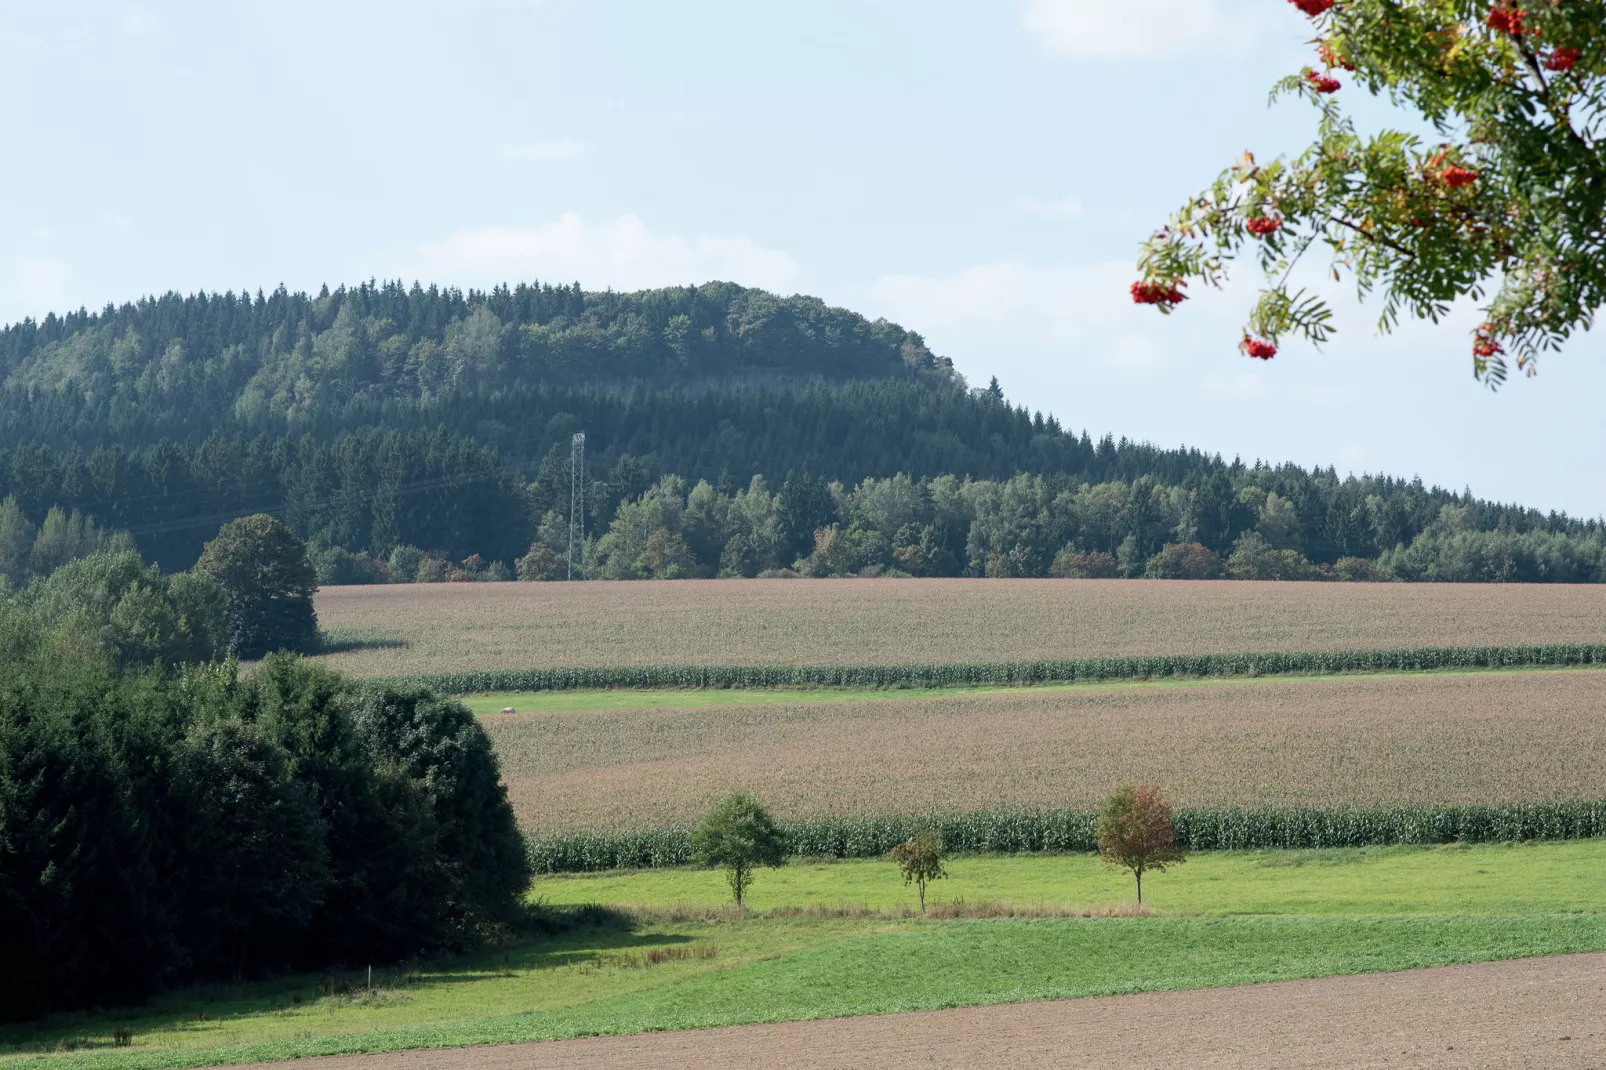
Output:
x=509 y=709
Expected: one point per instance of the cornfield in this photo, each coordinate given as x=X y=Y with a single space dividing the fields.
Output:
x=437 y=629
x=1279 y=743
x=1014 y=832
x=1010 y=673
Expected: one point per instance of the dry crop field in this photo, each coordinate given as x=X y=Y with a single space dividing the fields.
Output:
x=1368 y=741
x=437 y=628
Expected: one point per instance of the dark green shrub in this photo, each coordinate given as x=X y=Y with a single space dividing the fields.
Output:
x=165 y=827
x=438 y=745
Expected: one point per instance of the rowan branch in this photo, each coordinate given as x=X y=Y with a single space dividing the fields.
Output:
x=1402 y=250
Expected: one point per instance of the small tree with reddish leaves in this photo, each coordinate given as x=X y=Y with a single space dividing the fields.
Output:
x=920 y=858
x=1505 y=204
x=1134 y=830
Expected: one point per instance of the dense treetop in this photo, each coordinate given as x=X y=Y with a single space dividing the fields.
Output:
x=189 y=367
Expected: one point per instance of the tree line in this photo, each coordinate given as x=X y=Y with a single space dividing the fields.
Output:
x=412 y=433
x=438 y=499
x=1238 y=522
x=165 y=819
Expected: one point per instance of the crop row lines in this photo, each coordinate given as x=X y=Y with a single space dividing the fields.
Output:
x=1071 y=831
x=1070 y=670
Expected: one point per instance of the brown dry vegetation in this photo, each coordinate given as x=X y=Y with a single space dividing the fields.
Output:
x=1479 y=738
x=458 y=627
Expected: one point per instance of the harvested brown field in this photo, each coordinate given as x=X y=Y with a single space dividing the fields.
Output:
x=1366 y=741
x=436 y=628
x=1548 y=1012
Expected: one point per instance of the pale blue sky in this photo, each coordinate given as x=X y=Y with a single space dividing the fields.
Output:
x=979 y=171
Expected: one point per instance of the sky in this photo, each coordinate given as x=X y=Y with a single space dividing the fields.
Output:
x=982 y=172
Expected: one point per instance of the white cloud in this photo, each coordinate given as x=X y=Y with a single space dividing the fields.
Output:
x=1242 y=385
x=1063 y=304
x=1136 y=29
x=623 y=254
x=40 y=285
x=1069 y=208
x=562 y=148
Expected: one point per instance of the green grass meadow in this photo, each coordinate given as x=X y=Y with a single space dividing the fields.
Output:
x=826 y=940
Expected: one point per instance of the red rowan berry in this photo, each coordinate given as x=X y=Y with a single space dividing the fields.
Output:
x=1158 y=293
x=1312 y=7
x=1263 y=226
x=1322 y=83
x=1456 y=177
x=1483 y=343
x=1562 y=59
x=1506 y=20
x=1259 y=350
x=1331 y=57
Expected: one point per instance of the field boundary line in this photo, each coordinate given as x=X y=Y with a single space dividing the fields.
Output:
x=1072 y=832
x=1005 y=673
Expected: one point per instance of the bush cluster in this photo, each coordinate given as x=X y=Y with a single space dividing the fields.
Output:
x=161 y=827
x=1030 y=831
x=1069 y=670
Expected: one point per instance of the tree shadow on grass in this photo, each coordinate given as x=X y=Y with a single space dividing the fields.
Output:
x=348 y=641
x=543 y=937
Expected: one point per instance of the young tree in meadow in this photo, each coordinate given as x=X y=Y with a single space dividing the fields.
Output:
x=740 y=836
x=1505 y=203
x=1135 y=831
x=920 y=858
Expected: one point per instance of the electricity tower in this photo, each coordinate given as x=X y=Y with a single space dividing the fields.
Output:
x=577 y=507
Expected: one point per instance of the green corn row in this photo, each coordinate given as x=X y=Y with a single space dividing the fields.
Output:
x=1071 y=670
x=1030 y=831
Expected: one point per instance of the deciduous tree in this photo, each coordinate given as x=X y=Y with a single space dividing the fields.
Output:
x=1504 y=204
x=920 y=858
x=1135 y=831
x=269 y=583
x=740 y=836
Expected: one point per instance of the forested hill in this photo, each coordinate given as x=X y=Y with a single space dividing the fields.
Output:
x=186 y=368
x=387 y=418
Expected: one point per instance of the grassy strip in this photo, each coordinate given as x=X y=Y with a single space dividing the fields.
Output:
x=1010 y=673
x=1492 y=880
x=912 y=966
x=1030 y=831
x=673 y=698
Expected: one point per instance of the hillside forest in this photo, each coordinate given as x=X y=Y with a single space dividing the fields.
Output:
x=423 y=434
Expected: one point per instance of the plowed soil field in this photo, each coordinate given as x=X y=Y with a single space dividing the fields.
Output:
x=1530 y=1013
x=403 y=630
x=1367 y=741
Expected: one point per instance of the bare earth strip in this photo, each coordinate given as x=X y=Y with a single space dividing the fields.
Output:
x=1547 y=1012
x=460 y=627
x=1366 y=741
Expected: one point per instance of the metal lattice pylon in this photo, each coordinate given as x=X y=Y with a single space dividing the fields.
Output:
x=577 y=507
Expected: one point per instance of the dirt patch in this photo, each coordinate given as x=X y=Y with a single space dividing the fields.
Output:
x=1534 y=1012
